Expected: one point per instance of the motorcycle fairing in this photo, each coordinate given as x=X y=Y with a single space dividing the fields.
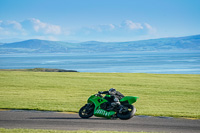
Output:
x=130 y=99
x=97 y=101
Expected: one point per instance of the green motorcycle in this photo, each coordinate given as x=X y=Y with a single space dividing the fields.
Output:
x=99 y=106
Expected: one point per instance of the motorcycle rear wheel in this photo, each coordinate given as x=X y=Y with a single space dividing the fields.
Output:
x=128 y=114
x=86 y=111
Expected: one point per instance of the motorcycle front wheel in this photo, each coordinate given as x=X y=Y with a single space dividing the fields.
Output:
x=86 y=111
x=128 y=112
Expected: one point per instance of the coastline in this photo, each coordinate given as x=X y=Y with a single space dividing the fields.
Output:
x=40 y=70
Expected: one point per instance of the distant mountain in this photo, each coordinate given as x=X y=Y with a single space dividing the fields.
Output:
x=188 y=43
x=33 y=46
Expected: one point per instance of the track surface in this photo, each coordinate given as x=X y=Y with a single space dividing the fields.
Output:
x=64 y=121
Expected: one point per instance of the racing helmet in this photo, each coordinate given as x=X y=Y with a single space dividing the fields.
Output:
x=112 y=91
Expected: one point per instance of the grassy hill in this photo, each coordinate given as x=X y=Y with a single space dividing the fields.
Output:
x=176 y=95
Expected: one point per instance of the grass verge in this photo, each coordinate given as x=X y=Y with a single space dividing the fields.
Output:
x=175 y=95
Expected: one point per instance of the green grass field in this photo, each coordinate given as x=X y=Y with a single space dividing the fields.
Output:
x=159 y=94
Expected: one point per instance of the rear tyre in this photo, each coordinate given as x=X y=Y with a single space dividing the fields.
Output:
x=86 y=111
x=128 y=112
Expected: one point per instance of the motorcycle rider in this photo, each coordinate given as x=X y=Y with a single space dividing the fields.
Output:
x=115 y=97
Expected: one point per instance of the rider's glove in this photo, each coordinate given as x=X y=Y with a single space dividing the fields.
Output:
x=100 y=92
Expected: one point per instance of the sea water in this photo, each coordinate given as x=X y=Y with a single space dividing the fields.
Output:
x=135 y=62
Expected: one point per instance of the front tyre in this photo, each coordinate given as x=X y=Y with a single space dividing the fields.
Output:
x=126 y=112
x=86 y=111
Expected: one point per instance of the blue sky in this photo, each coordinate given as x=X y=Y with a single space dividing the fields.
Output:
x=98 y=20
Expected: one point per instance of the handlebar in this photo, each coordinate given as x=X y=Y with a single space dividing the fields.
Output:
x=99 y=94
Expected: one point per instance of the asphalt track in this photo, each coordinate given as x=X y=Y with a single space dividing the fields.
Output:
x=66 y=121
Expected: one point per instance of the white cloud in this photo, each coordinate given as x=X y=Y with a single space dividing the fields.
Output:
x=112 y=26
x=15 y=25
x=29 y=26
x=11 y=25
x=102 y=27
x=148 y=26
x=151 y=30
x=30 y=29
x=127 y=25
x=127 y=30
x=45 y=27
x=133 y=26
x=36 y=29
x=10 y=28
